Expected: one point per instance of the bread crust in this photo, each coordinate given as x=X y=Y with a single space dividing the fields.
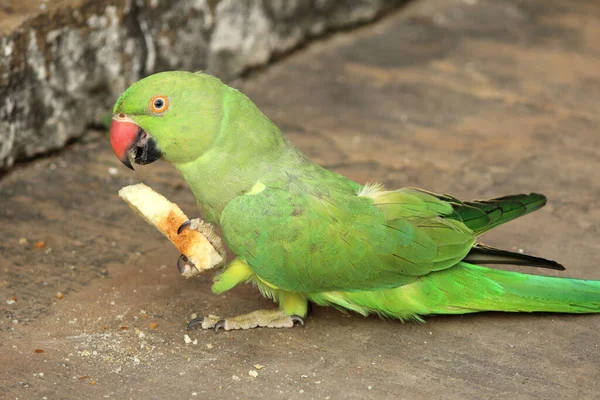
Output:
x=167 y=217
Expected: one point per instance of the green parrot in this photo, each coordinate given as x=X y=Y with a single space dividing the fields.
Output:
x=302 y=233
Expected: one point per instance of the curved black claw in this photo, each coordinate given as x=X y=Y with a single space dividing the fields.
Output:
x=194 y=322
x=297 y=319
x=220 y=324
x=183 y=264
x=183 y=226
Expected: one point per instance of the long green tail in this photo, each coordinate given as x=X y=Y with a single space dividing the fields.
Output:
x=487 y=289
x=468 y=288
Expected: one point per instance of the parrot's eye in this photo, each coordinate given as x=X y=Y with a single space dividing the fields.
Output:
x=159 y=104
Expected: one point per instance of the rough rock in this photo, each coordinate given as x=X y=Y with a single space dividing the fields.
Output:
x=62 y=67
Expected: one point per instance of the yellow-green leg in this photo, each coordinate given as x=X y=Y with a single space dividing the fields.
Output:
x=293 y=307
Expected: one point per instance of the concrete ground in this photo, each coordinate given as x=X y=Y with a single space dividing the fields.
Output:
x=476 y=98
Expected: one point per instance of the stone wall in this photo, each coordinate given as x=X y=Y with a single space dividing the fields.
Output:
x=62 y=69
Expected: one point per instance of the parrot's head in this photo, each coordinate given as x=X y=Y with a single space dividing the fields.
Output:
x=171 y=115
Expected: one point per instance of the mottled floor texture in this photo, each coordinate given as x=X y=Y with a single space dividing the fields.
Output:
x=474 y=98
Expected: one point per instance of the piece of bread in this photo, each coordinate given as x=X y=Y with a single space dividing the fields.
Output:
x=167 y=217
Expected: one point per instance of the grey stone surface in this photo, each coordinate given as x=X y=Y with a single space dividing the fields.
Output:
x=63 y=68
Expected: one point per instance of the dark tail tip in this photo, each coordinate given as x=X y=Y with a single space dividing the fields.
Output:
x=482 y=254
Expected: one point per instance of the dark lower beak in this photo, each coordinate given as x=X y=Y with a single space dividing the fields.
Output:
x=126 y=138
x=146 y=150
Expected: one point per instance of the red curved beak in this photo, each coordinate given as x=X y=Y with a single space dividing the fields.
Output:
x=123 y=137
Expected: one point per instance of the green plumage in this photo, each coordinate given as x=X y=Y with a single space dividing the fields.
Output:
x=467 y=288
x=308 y=232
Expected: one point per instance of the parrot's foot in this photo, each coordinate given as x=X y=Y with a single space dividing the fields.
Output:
x=184 y=265
x=208 y=231
x=262 y=318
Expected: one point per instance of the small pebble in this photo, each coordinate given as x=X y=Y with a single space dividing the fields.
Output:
x=187 y=339
x=253 y=373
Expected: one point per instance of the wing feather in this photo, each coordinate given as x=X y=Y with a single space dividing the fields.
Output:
x=300 y=236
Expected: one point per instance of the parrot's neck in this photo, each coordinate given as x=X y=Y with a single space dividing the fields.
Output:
x=248 y=148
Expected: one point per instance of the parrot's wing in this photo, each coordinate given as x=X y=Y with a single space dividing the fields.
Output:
x=306 y=237
x=483 y=215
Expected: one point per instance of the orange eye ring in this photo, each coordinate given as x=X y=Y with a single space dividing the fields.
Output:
x=159 y=104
